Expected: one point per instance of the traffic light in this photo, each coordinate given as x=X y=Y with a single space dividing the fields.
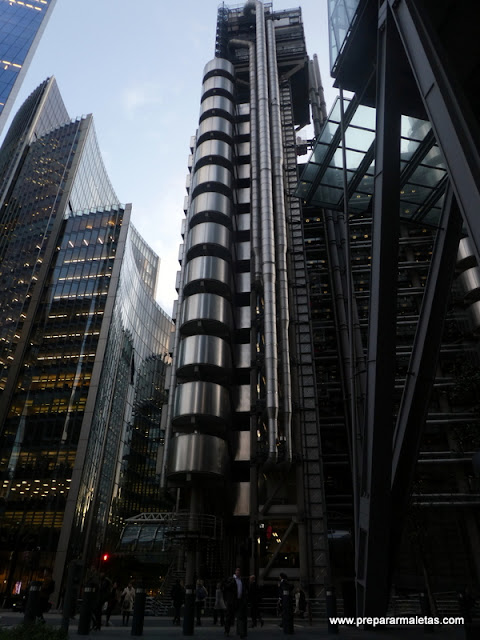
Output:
x=105 y=557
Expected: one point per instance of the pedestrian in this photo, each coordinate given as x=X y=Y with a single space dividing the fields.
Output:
x=178 y=598
x=103 y=593
x=235 y=593
x=46 y=590
x=219 y=606
x=300 y=602
x=113 y=600
x=254 y=598
x=127 y=599
x=200 y=599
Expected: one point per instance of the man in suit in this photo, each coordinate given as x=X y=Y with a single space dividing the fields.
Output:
x=235 y=594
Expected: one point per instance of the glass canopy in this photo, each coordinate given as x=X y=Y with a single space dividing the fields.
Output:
x=423 y=175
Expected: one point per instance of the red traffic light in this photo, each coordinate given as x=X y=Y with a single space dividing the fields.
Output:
x=105 y=557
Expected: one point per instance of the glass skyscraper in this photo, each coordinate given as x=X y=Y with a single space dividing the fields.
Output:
x=79 y=326
x=21 y=27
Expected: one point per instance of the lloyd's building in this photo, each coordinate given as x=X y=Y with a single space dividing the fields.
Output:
x=242 y=444
x=322 y=417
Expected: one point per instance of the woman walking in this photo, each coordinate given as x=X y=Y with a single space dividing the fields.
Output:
x=219 y=606
x=128 y=597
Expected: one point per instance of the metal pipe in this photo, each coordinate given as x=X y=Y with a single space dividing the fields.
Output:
x=256 y=277
x=268 y=240
x=280 y=239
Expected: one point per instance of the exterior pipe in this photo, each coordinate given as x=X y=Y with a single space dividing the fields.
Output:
x=255 y=258
x=280 y=240
x=268 y=241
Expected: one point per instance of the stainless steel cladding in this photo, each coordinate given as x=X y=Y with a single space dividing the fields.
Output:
x=241 y=501
x=212 y=173
x=210 y=150
x=474 y=316
x=208 y=273
x=469 y=280
x=215 y=127
x=200 y=402
x=219 y=64
x=217 y=105
x=211 y=205
x=466 y=254
x=243 y=283
x=242 y=398
x=211 y=238
x=205 y=312
x=203 y=355
x=215 y=84
x=241 y=445
x=198 y=454
x=243 y=356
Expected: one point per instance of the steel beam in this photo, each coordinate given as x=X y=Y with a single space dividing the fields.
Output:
x=373 y=530
x=421 y=371
x=455 y=129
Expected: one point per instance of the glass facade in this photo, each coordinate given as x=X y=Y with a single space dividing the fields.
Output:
x=83 y=346
x=21 y=25
x=423 y=171
x=341 y=16
x=125 y=430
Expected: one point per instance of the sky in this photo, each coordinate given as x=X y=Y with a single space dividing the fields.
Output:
x=137 y=66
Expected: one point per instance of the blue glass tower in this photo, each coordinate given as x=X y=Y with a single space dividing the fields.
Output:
x=21 y=27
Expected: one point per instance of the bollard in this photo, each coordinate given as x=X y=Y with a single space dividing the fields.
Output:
x=287 y=608
x=86 y=610
x=33 y=602
x=331 y=611
x=189 y=611
x=138 y=611
x=71 y=593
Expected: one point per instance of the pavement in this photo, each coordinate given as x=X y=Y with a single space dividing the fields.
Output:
x=161 y=628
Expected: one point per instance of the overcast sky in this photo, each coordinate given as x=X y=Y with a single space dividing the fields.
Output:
x=137 y=66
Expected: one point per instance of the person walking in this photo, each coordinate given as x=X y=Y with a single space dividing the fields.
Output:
x=219 y=606
x=254 y=599
x=46 y=590
x=103 y=593
x=200 y=599
x=235 y=593
x=128 y=598
x=178 y=598
x=113 y=599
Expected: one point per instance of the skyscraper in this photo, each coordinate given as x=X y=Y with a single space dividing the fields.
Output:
x=79 y=328
x=21 y=27
x=242 y=436
x=325 y=359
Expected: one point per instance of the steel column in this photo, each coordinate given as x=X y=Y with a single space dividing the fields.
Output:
x=372 y=552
